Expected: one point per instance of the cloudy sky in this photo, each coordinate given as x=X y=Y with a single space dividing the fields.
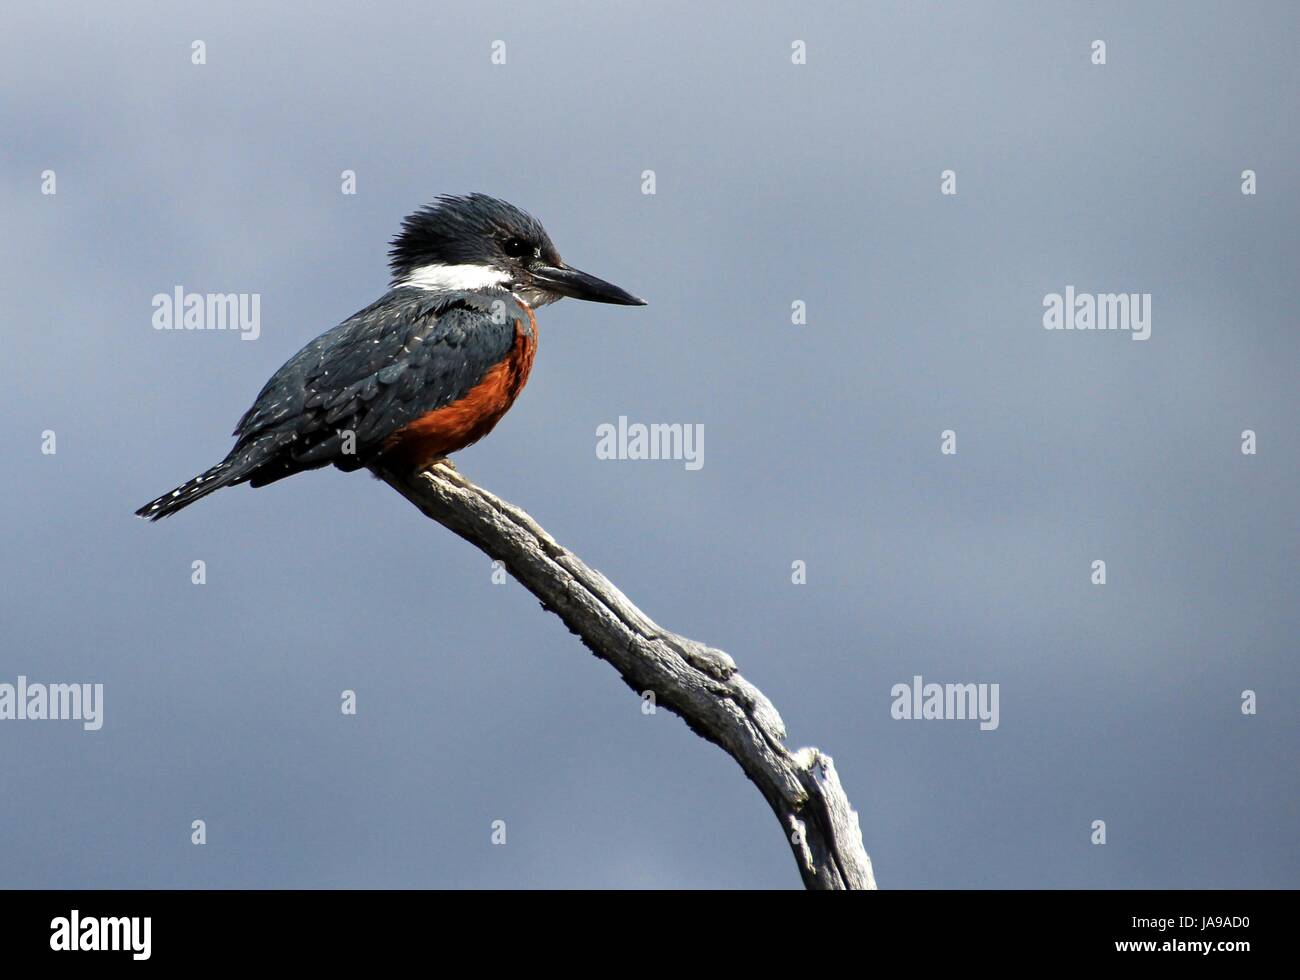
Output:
x=774 y=183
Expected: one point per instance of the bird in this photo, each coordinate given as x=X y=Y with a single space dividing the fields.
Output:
x=424 y=371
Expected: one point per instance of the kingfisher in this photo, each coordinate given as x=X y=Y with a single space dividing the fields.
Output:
x=427 y=369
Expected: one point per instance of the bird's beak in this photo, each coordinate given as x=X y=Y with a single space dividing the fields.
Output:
x=579 y=285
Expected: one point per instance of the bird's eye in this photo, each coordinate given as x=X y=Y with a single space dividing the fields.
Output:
x=516 y=248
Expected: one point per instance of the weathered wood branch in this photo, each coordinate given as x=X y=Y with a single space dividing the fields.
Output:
x=695 y=681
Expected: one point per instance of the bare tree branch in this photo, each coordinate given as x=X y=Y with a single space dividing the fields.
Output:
x=697 y=682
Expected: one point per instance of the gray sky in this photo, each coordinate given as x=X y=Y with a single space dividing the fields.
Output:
x=775 y=182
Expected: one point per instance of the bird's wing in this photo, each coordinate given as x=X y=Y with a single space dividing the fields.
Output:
x=400 y=358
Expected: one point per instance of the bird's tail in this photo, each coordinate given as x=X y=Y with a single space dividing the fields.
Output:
x=221 y=475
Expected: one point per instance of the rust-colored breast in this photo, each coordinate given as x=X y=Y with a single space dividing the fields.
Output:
x=464 y=422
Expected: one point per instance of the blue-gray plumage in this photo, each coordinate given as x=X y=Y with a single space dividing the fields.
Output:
x=426 y=370
x=395 y=361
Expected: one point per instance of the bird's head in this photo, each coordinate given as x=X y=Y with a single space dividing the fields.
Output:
x=478 y=242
